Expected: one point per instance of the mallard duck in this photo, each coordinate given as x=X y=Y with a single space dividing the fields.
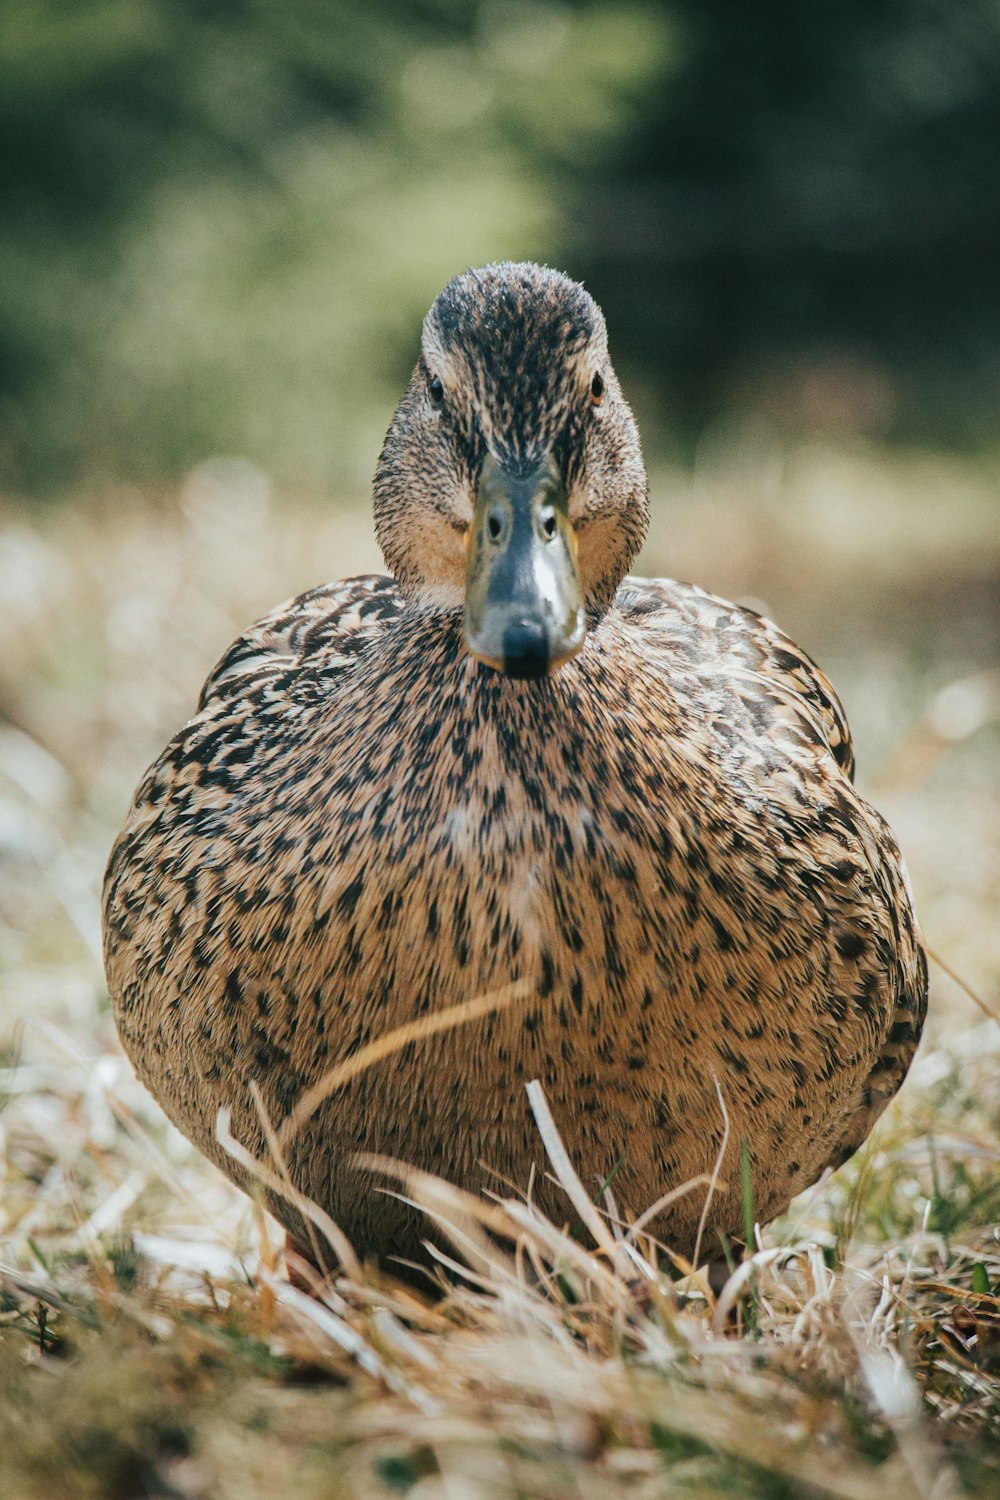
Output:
x=509 y=761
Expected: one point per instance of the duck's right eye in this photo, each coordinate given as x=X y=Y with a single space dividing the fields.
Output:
x=435 y=388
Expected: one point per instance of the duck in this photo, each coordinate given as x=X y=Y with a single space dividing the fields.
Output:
x=509 y=763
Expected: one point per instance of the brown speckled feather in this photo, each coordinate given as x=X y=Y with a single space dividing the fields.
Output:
x=367 y=824
x=363 y=824
x=338 y=618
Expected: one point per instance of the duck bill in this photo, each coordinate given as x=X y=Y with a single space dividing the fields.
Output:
x=523 y=600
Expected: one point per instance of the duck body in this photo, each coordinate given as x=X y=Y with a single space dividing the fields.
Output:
x=510 y=762
x=363 y=825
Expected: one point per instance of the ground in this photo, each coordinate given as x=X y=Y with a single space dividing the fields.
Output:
x=150 y=1344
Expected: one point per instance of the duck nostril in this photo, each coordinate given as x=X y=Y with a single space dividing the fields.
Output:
x=494 y=525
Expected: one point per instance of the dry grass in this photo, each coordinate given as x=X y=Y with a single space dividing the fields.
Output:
x=150 y=1344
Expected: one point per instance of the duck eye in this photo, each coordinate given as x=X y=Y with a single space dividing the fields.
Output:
x=597 y=388
x=435 y=388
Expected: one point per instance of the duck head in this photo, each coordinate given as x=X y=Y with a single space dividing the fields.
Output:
x=511 y=485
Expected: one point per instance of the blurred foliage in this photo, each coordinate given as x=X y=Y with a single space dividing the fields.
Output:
x=806 y=221
x=220 y=223
x=223 y=222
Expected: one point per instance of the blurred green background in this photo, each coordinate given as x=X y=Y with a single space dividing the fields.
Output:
x=220 y=223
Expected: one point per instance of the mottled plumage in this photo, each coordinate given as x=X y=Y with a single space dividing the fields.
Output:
x=363 y=824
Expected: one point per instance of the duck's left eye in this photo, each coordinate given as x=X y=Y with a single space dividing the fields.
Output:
x=597 y=388
x=435 y=388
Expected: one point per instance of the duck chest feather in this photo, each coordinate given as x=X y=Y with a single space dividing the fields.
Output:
x=698 y=912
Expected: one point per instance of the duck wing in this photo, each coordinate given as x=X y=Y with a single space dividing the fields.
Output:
x=337 y=619
x=716 y=639
x=734 y=640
